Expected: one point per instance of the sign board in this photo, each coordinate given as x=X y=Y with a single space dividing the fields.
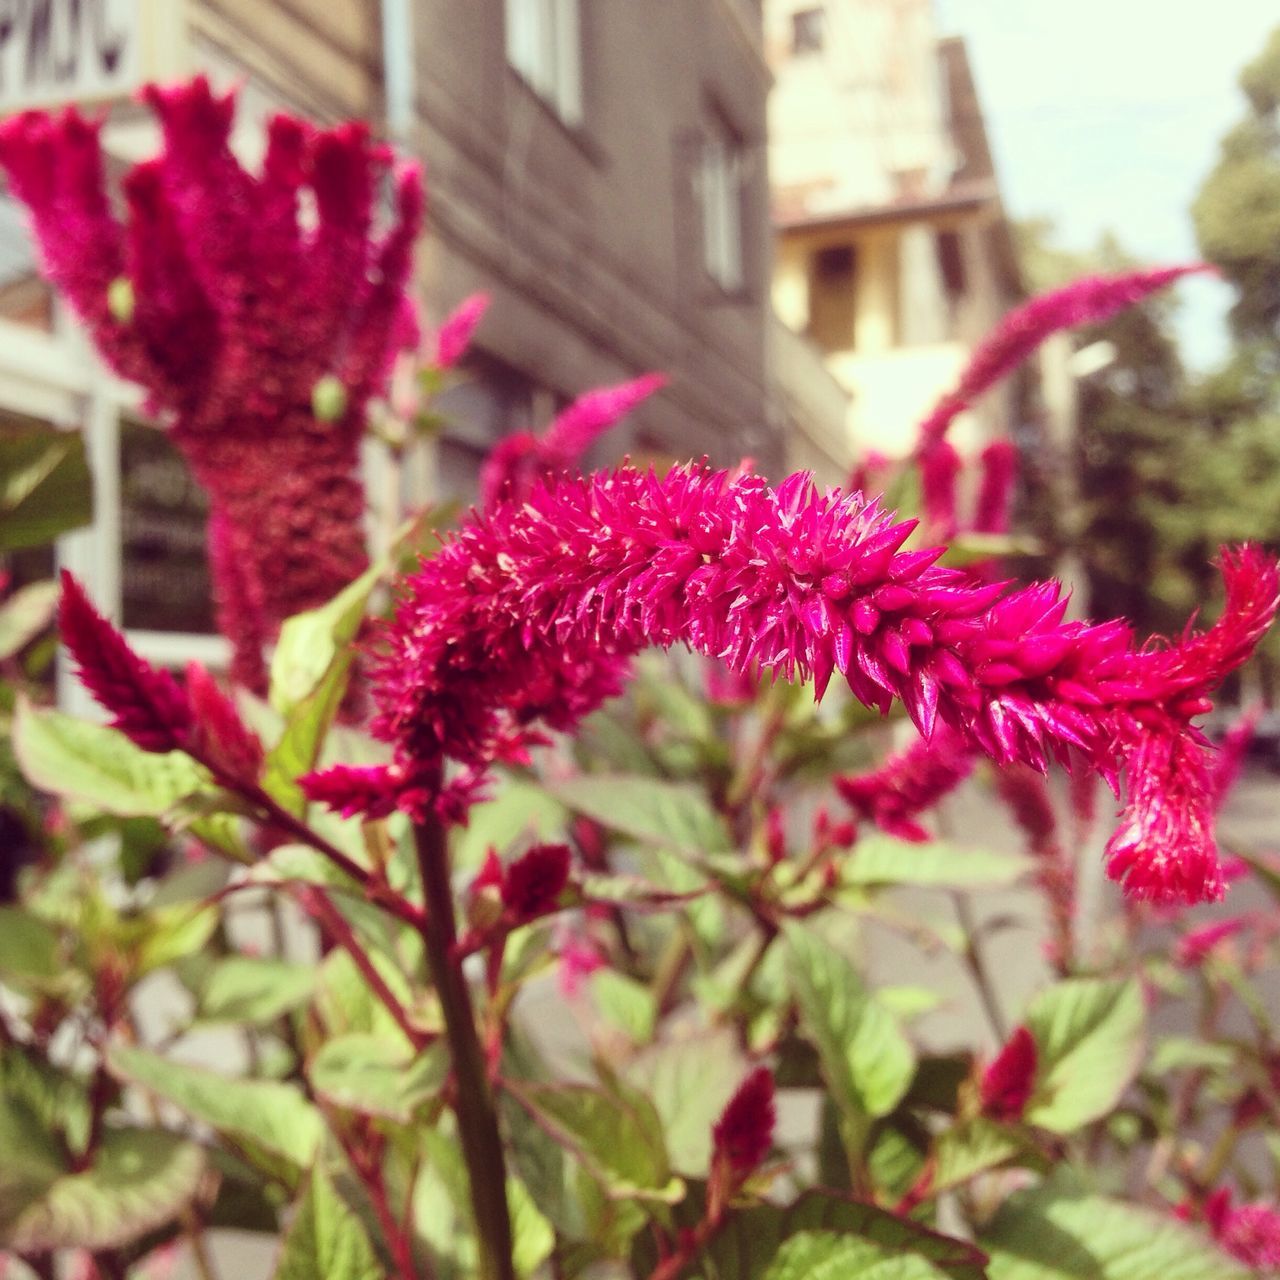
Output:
x=82 y=51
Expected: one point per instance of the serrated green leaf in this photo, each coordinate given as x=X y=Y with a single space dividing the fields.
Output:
x=1053 y=1233
x=625 y=1004
x=375 y=1075
x=309 y=673
x=1089 y=1038
x=619 y=1139
x=45 y=485
x=879 y=859
x=866 y=1060
x=649 y=810
x=326 y=1239
x=30 y=950
x=89 y=762
x=255 y=990
x=26 y=613
x=272 y=1123
x=139 y=1180
x=967 y=1149
x=822 y=1255
x=690 y=1081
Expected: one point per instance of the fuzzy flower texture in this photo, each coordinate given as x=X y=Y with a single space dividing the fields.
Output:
x=258 y=332
x=529 y=614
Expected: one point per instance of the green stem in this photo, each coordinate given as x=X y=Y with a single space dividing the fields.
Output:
x=977 y=966
x=473 y=1102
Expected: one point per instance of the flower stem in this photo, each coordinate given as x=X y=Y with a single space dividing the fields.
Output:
x=473 y=1102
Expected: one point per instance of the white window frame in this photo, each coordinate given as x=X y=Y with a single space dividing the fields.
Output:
x=544 y=47
x=56 y=377
x=723 y=172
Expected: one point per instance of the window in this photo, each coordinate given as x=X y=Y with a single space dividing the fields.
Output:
x=544 y=45
x=951 y=264
x=833 y=280
x=723 y=167
x=808 y=30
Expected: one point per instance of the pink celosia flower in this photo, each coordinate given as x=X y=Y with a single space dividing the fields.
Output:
x=1086 y=301
x=1009 y=1080
x=531 y=611
x=259 y=340
x=939 y=471
x=1250 y=1233
x=455 y=334
x=1196 y=945
x=741 y=1138
x=531 y=886
x=577 y=959
x=999 y=462
x=520 y=459
x=218 y=734
x=1235 y=744
x=146 y=705
x=909 y=783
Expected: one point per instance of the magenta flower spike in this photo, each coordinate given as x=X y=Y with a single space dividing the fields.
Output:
x=518 y=460
x=529 y=614
x=259 y=337
x=1020 y=333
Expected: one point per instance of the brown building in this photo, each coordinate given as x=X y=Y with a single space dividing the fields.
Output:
x=598 y=166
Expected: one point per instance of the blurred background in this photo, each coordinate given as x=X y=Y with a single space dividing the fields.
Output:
x=805 y=214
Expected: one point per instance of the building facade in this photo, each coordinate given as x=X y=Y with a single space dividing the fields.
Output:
x=892 y=251
x=598 y=166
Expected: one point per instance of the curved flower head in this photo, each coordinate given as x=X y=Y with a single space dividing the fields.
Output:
x=529 y=615
x=259 y=336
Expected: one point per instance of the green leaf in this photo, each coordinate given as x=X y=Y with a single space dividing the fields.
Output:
x=377 y=1076
x=26 y=613
x=1089 y=1037
x=30 y=950
x=968 y=1149
x=254 y=990
x=822 y=1255
x=625 y=1003
x=619 y=1139
x=139 y=1180
x=866 y=1060
x=1057 y=1233
x=89 y=762
x=1175 y=1053
x=309 y=671
x=326 y=1239
x=649 y=810
x=532 y=1237
x=172 y=933
x=45 y=485
x=883 y=860
x=270 y=1122
x=755 y=1241
x=689 y=1082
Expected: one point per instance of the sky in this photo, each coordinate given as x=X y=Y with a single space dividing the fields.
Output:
x=1106 y=115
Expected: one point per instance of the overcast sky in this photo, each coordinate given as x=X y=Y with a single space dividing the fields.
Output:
x=1106 y=114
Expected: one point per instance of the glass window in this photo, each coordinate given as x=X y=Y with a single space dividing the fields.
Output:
x=544 y=44
x=164 y=574
x=723 y=167
x=808 y=30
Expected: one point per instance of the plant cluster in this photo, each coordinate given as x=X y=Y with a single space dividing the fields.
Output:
x=556 y=962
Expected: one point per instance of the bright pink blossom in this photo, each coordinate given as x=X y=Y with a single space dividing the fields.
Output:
x=1087 y=301
x=939 y=471
x=1249 y=1232
x=455 y=334
x=218 y=734
x=259 y=338
x=909 y=783
x=744 y=1133
x=520 y=459
x=999 y=462
x=530 y=613
x=147 y=705
x=531 y=886
x=1009 y=1080
x=1198 y=944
